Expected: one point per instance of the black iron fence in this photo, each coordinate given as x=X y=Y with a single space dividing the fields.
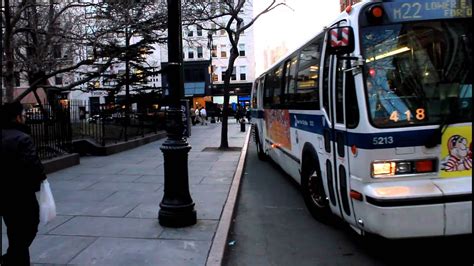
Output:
x=106 y=124
x=53 y=131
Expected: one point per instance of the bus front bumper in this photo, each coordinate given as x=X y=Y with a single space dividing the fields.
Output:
x=421 y=208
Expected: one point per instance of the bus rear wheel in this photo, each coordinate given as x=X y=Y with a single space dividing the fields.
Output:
x=313 y=191
x=261 y=154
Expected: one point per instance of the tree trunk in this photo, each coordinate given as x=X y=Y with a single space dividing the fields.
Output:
x=9 y=78
x=225 y=110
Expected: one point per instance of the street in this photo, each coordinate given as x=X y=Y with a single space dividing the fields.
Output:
x=273 y=227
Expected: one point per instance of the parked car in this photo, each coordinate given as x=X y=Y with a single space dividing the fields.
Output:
x=93 y=119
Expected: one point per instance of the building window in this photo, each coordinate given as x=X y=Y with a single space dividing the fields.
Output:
x=190 y=54
x=190 y=33
x=90 y=12
x=58 y=80
x=17 y=79
x=214 y=51
x=57 y=51
x=241 y=49
x=199 y=30
x=199 y=52
x=234 y=76
x=223 y=73
x=213 y=29
x=223 y=51
x=243 y=73
x=215 y=69
x=89 y=52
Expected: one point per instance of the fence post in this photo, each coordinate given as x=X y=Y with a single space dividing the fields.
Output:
x=102 y=120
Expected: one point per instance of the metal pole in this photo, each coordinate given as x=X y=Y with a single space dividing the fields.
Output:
x=177 y=206
x=127 y=83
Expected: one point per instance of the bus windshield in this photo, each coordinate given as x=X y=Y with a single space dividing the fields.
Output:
x=418 y=73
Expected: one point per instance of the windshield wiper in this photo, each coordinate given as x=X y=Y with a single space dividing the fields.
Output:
x=435 y=139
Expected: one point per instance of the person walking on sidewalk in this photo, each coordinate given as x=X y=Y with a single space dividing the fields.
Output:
x=219 y=114
x=22 y=175
x=203 y=114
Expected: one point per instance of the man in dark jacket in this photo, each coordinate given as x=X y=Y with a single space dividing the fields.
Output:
x=22 y=174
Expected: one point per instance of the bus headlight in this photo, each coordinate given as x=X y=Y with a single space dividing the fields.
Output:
x=381 y=169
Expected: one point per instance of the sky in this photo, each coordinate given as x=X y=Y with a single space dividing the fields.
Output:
x=290 y=27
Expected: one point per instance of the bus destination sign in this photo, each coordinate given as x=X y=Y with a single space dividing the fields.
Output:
x=426 y=10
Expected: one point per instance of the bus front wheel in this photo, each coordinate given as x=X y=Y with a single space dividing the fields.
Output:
x=313 y=190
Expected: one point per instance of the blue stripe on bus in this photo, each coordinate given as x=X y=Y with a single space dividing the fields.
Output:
x=389 y=139
x=256 y=113
x=311 y=123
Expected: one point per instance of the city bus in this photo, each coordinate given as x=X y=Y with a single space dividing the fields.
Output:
x=373 y=118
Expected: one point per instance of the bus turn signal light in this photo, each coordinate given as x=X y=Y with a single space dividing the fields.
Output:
x=356 y=195
x=424 y=166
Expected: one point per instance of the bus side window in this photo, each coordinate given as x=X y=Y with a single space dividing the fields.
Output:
x=267 y=92
x=306 y=95
x=276 y=85
x=255 y=91
x=339 y=91
x=351 y=106
x=290 y=81
x=325 y=86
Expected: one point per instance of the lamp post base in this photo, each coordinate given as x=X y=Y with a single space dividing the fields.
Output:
x=177 y=206
x=177 y=216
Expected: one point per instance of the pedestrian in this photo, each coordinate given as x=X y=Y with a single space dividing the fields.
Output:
x=193 y=116
x=219 y=114
x=197 y=113
x=248 y=115
x=238 y=114
x=203 y=113
x=22 y=175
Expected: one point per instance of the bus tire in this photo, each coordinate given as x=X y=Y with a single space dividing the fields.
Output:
x=313 y=190
x=261 y=154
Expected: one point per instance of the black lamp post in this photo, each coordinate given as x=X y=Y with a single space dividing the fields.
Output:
x=211 y=70
x=177 y=206
x=127 y=81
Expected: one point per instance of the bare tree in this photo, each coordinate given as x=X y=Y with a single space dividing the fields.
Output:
x=225 y=15
x=78 y=39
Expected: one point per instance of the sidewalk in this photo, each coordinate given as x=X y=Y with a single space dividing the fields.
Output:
x=108 y=206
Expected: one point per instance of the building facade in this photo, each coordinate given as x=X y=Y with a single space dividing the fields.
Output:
x=206 y=52
x=346 y=3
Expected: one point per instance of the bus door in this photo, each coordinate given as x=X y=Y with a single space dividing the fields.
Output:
x=339 y=132
x=257 y=109
x=337 y=81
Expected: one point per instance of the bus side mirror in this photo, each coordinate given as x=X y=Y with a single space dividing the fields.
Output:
x=340 y=40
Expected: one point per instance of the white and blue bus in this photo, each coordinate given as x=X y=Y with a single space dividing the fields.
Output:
x=373 y=118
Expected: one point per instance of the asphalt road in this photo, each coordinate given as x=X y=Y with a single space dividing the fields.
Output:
x=273 y=227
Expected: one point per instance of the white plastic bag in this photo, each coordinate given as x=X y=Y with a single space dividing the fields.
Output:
x=46 y=203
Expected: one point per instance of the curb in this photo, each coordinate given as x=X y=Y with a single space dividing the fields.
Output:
x=85 y=146
x=59 y=163
x=219 y=243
